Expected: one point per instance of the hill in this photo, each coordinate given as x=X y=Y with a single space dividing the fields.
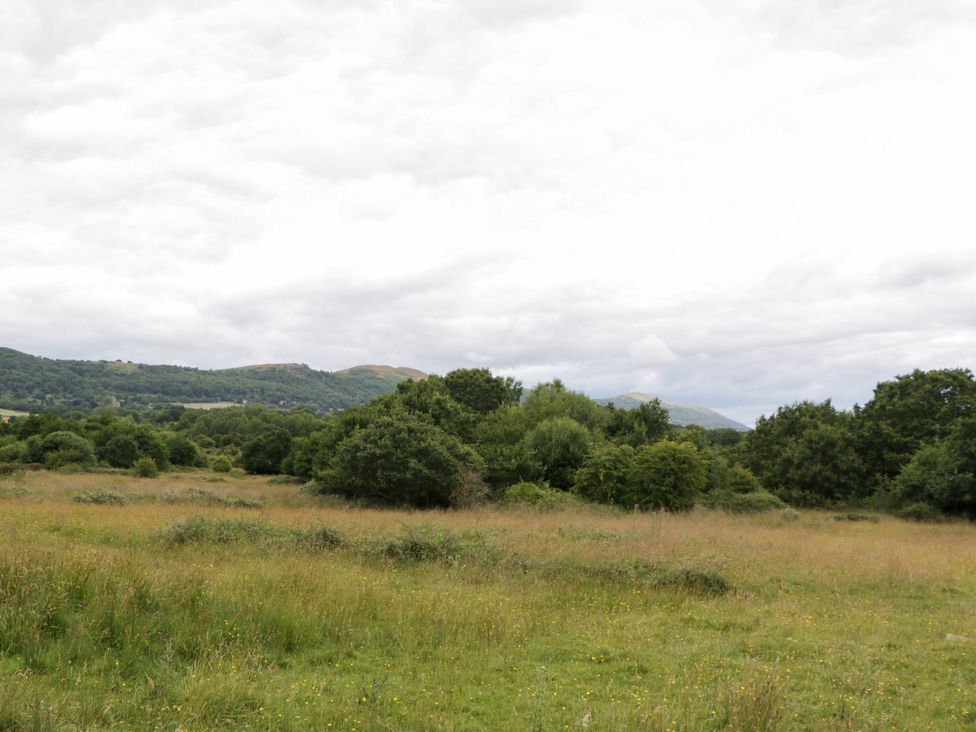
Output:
x=33 y=383
x=680 y=414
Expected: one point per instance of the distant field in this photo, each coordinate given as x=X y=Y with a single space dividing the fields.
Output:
x=208 y=405
x=198 y=602
x=13 y=413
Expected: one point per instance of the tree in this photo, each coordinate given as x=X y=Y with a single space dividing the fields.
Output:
x=399 y=459
x=559 y=445
x=605 y=474
x=63 y=448
x=649 y=422
x=183 y=451
x=667 y=475
x=942 y=474
x=481 y=392
x=910 y=411
x=265 y=452
x=806 y=454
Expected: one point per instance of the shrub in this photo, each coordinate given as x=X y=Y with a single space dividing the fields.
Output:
x=322 y=538
x=666 y=475
x=922 y=512
x=536 y=494
x=603 y=477
x=695 y=582
x=221 y=464
x=399 y=459
x=100 y=497
x=145 y=467
x=753 y=502
x=59 y=449
x=211 y=530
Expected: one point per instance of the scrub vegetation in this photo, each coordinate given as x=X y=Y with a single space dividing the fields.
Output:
x=198 y=601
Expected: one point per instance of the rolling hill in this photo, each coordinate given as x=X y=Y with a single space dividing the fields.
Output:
x=680 y=414
x=33 y=383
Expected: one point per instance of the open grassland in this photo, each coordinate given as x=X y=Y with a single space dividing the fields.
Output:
x=198 y=602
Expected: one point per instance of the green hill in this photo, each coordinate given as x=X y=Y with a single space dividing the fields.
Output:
x=680 y=414
x=32 y=383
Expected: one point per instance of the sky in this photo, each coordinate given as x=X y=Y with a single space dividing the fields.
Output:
x=733 y=204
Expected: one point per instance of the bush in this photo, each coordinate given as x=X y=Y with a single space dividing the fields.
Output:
x=221 y=464
x=400 y=459
x=59 y=449
x=100 y=497
x=921 y=512
x=666 y=475
x=753 y=502
x=536 y=494
x=603 y=477
x=209 y=530
x=145 y=467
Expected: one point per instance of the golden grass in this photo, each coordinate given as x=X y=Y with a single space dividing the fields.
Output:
x=831 y=624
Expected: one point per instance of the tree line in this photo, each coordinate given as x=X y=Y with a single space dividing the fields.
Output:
x=471 y=436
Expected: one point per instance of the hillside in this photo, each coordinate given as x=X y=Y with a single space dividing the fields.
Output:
x=680 y=414
x=42 y=384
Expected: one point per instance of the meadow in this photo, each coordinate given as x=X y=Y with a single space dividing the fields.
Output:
x=195 y=601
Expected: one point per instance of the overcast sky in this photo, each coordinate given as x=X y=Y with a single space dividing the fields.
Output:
x=735 y=204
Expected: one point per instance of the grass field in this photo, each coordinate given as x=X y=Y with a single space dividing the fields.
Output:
x=12 y=413
x=195 y=602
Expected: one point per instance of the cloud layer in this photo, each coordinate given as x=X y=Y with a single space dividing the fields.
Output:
x=737 y=206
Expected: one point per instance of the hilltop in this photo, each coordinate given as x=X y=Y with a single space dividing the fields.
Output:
x=34 y=383
x=679 y=414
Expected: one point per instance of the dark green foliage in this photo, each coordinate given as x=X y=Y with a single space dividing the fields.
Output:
x=605 y=474
x=942 y=474
x=430 y=400
x=645 y=424
x=183 y=451
x=910 y=411
x=806 y=454
x=121 y=443
x=667 y=475
x=558 y=445
x=60 y=449
x=399 y=459
x=265 y=452
x=479 y=391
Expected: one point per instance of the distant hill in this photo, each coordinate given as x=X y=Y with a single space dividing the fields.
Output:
x=33 y=383
x=680 y=414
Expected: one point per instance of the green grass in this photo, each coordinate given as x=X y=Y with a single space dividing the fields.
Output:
x=12 y=413
x=153 y=613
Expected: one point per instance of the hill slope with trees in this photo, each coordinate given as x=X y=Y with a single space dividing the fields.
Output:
x=36 y=384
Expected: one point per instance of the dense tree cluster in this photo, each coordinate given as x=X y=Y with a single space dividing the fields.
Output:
x=447 y=440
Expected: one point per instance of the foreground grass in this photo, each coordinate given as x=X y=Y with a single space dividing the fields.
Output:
x=197 y=603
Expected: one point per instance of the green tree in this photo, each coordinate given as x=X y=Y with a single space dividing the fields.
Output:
x=559 y=445
x=908 y=412
x=605 y=474
x=66 y=448
x=481 y=392
x=399 y=459
x=667 y=475
x=942 y=474
x=806 y=454
x=649 y=422
x=264 y=452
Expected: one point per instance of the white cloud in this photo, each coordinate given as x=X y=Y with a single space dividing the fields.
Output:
x=731 y=204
